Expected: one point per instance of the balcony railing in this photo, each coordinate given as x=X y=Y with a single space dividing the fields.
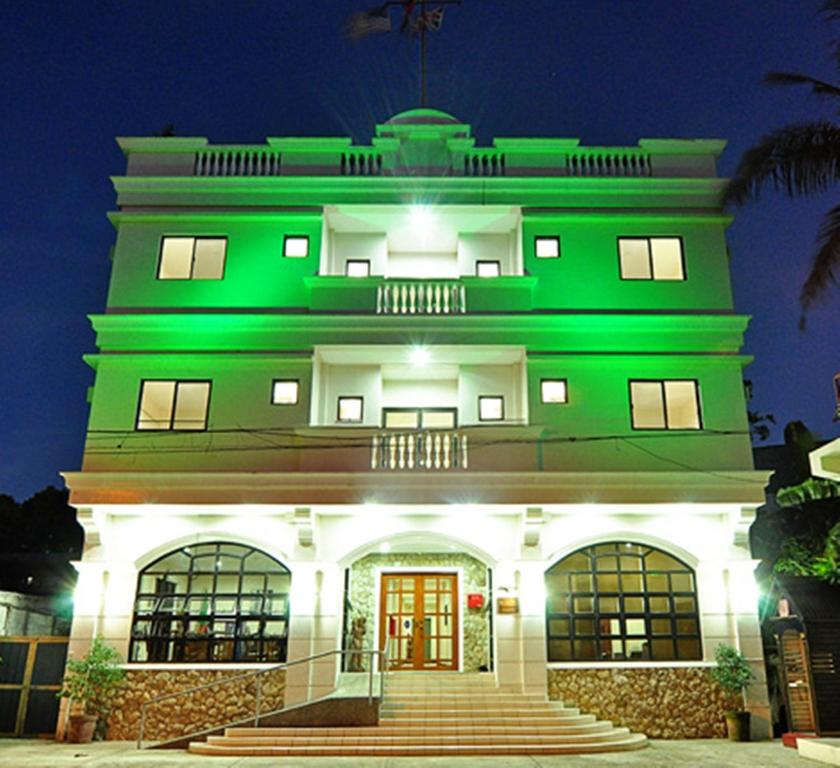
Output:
x=420 y=450
x=242 y=161
x=609 y=162
x=421 y=298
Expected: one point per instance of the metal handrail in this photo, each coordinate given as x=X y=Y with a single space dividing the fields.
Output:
x=372 y=653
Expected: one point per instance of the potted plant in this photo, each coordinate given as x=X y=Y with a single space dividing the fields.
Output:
x=734 y=675
x=90 y=683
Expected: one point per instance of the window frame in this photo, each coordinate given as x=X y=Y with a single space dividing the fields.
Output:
x=662 y=383
x=420 y=412
x=360 y=420
x=175 y=644
x=484 y=262
x=543 y=401
x=491 y=397
x=177 y=383
x=597 y=616
x=648 y=239
x=195 y=239
x=555 y=238
x=347 y=264
x=287 y=238
x=284 y=381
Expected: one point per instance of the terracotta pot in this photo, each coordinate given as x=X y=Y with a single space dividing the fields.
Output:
x=80 y=729
x=738 y=726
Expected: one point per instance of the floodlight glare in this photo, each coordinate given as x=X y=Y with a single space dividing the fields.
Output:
x=419 y=357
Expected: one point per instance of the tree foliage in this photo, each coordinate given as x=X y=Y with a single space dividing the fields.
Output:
x=800 y=159
x=732 y=671
x=92 y=681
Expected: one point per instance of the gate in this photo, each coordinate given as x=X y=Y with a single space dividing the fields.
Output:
x=30 y=677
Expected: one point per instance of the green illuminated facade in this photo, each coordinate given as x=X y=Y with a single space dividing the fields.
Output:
x=516 y=353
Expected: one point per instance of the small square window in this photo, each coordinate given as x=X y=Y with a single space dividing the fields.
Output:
x=554 y=391
x=488 y=268
x=192 y=258
x=350 y=409
x=547 y=247
x=651 y=258
x=173 y=405
x=357 y=268
x=296 y=246
x=491 y=408
x=284 y=392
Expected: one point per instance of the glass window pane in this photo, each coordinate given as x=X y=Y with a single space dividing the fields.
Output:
x=177 y=561
x=488 y=268
x=491 y=408
x=586 y=650
x=632 y=582
x=612 y=648
x=547 y=247
x=606 y=563
x=296 y=247
x=657 y=560
x=438 y=419
x=581 y=582
x=635 y=259
x=667 y=258
x=559 y=650
x=647 y=407
x=553 y=391
x=634 y=626
x=176 y=258
x=608 y=605
x=657 y=582
x=681 y=402
x=156 y=400
x=634 y=604
x=558 y=602
x=284 y=392
x=279 y=582
x=684 y=604
x=209 y=258
x=584 y=627
x=660 y=626
x=583 y=605
x=559 y=627
x=607 y=582
x=191 y=405
x=662 y=650
x=687 y=627
x=660 y=604
x=357 y=268
x=637 y=649
x=689 y=648
x=350 y=409
x=682 y=582
x=402 y=419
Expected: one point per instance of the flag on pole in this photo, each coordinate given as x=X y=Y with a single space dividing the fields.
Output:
x=408 y=23
x=366 y=23
x=434 y=19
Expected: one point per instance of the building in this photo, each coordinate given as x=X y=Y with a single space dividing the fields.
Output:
x=488 y=399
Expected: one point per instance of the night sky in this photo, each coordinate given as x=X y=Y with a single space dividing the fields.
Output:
x=75 y=75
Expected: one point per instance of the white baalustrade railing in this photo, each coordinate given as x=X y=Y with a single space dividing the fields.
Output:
x=421 y=297
x=421 y=450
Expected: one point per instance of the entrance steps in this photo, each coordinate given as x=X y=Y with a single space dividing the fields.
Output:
x=440 y=713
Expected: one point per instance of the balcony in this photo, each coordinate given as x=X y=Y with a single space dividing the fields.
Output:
x=421 y=297
x=421 y=450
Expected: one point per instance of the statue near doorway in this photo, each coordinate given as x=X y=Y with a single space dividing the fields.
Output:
x=357 y=639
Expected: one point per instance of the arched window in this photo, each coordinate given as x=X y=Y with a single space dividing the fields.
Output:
x=621 y=601
x=211 y=602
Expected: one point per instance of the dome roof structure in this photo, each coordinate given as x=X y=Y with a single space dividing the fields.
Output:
x=423 y=116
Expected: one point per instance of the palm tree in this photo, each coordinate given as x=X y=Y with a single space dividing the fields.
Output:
x=800 y=159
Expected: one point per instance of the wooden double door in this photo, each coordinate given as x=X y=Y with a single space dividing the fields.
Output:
x=419 y=612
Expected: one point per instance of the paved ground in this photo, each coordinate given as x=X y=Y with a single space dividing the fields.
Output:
x=18 y=753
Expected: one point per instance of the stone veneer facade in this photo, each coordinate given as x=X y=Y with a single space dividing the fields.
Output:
x=200 y=711
x=476 y=630
x=663 y=703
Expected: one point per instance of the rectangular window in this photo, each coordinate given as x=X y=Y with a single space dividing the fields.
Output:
x=651 y=258
x=284 y=392
x=665 y=404
x=192 y=258
x=357 y=268
x=350 y=409
x=554 y=391
x=296 y=246
x=173 y=405
x=547 y=247
x=491 y=408
x=488 y=268
x=419 y=418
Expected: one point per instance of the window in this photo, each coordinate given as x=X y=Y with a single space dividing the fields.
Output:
x=622 y=601
x=491 y=408
x=173 y=405
x=651 y=258
x=554 y=391
x=284 y=392
x=670 y=404
x=211 y=602
x=192 y=258
x=547 y=247
x=357 y=268
x=296 y=246
x=488 y=268
x=350 y=409
x=419 y=418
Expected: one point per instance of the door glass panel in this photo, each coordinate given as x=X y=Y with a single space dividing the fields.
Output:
x=438 y=419
x=402 y=419
x=408 y=584
x=430 y=584
x=445 y=649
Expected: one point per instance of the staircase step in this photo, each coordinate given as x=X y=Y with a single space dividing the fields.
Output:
x=632 y=741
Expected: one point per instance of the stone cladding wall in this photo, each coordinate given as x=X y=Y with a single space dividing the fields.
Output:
x=476 y=623
x=195 y=712
x=662 y=703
